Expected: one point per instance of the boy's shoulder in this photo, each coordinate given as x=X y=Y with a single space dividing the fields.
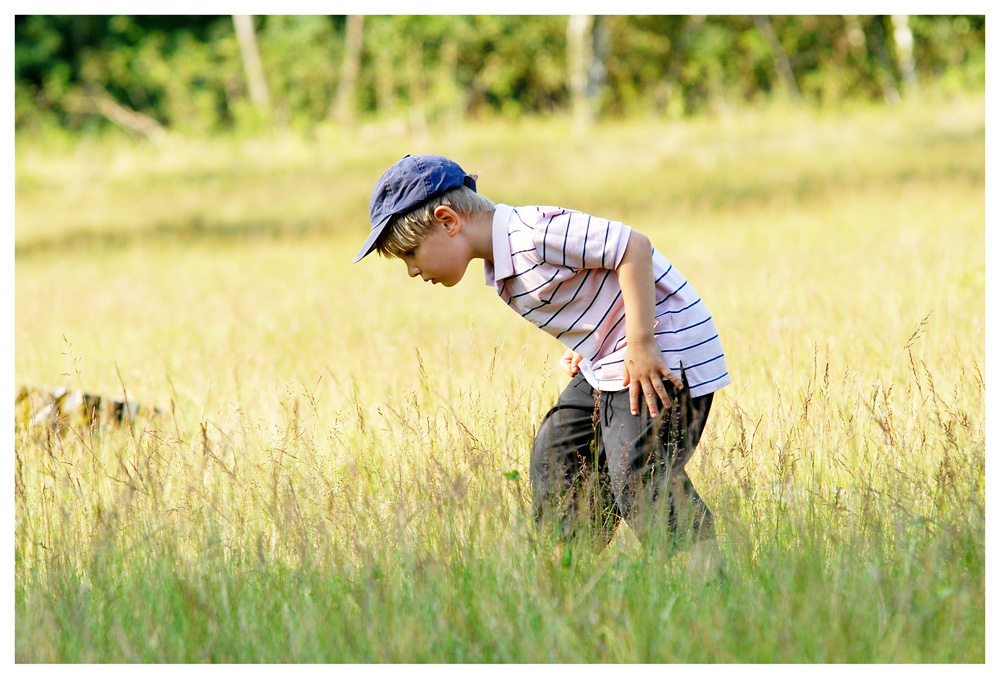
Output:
x=562 y=236
x=535 y=215
x=541 y=210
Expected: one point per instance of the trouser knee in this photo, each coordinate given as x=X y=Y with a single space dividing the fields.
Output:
x=570 y=489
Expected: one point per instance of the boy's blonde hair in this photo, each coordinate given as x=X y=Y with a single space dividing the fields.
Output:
x=405 y=231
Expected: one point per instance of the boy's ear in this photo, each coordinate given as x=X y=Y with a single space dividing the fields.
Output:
x=449 y=219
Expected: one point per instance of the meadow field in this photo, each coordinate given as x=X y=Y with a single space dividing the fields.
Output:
x=340 y=469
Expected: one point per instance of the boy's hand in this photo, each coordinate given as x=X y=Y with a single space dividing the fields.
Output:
x=569 y=362
x=644 y=372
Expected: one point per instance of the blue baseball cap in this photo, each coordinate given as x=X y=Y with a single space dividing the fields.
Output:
x=407 y=184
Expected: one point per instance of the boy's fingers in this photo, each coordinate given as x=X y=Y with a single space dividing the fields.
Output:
x=662 y=391
x=633 y=397
x=670 y=375
x=651 y=401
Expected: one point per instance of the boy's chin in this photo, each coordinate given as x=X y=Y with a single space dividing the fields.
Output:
x=453 y=283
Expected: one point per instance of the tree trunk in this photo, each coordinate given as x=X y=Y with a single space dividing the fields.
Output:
x=256 y=82
x=781 y=64
x=579 y=56
x=884 y=73
x=344 y=109
x=903 y=37
x=96 y=99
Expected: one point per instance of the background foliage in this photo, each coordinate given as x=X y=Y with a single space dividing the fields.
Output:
x=185 y=72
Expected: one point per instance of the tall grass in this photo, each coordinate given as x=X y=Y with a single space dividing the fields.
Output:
x=341 y=471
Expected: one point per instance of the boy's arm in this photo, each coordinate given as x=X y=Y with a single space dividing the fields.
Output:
x=644 y=364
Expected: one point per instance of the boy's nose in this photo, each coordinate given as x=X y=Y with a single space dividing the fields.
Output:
x=412 y=270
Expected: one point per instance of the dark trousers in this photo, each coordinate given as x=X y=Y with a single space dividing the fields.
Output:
x=594 y=463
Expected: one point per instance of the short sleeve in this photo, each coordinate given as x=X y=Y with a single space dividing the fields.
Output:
x=578 y=240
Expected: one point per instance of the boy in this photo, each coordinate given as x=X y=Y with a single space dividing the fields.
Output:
x=638 y=338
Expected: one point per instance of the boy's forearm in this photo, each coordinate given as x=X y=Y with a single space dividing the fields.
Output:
x=635 y=276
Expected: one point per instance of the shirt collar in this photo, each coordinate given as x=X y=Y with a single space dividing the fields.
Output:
x=502 y=265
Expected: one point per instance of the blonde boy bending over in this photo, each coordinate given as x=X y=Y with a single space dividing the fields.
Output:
x=642 y=348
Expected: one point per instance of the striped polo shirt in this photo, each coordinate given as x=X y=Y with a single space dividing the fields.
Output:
x=557 y=269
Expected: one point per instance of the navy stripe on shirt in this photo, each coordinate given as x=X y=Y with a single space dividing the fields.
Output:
x=678 y=311
x=671 y=351
x=539 y=287
x=575 y=293
x=687 y=327
x=607 y=274
x=661 y=301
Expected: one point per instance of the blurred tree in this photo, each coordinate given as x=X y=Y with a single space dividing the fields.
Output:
x=781 y=65
x=854 y=47
x=97 y=99
x=903 y=38
x=301 y=55
x=380 y=56
x=950 y=50
x=246 y=35
x=883 y=71
x=416 y=85
x=344 y=109
x=517 y=64
x=642 y=52
x=580 y=54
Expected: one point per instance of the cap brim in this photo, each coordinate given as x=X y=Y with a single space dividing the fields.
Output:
x=369 y=245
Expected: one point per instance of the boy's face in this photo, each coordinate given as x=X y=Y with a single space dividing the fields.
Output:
x=442 y=257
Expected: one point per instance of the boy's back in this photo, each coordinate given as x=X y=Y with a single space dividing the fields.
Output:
x=556 y=268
